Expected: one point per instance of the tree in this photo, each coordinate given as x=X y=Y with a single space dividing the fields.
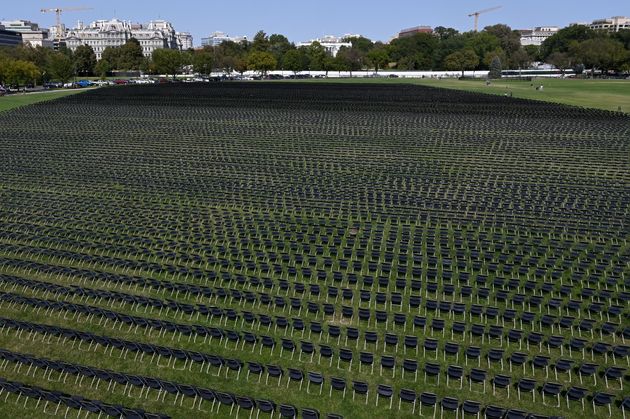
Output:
x=111 y=56
x=560 y=60
x=102 y=68
x=167 y=61
x=509 y=40
x=520 y=59
x=378 y=57
x=19 y=72
x=360 y=43
x=348 y=59
x=279 y=45
x=61 y=67
x=261 y=42
x=261 y=61
x=131 y=56
x=482 y=43
x=490 y=55
x=295 y=60
x=315 y=54
x=465 y=59
x=84 y=60
x=562 y=40
x=495 y=68
x=533 y=51
x=601 y=53
x=445 y=33
x=202 y=62
x=420 y=46
x=240 y=65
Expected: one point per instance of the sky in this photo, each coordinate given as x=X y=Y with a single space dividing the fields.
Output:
x=302 y=20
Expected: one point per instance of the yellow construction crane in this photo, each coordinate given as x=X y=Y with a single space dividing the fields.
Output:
x=58 y=11
x=476 y=14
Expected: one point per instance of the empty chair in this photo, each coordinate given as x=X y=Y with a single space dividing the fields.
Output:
x=494 y=412
x=577 y=394
x=603 y=399
x=315 y=378
x=407 y=396
x=310 y=413
x=360 y=387
x=471 y=407
x=383 y=390
x=245 y=403
x=294 y=374
x=287 y=411
x=432 y=370
x=588 y=370
x=551 y=389
x=450 y=404
x=477 y=376
x=501 y=381
x=455 y=372
x=526 y=385
x=388 y=362
x=428 y=399
x=337 y=384
x=410 y=365
x=614 y=373
x=366 y=358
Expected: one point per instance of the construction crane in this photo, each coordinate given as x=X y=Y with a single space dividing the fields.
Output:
x=58 y=11
x=476 y=14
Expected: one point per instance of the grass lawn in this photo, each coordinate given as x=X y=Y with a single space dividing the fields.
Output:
x=17 y=100
x=601 y=94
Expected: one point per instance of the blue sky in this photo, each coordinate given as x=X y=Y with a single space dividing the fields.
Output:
x=305 y=19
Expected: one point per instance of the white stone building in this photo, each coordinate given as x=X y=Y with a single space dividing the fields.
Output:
x=613 y=24
x=115 y=33
x=31 y=33
x=537 y=35
x=217 y=38
x=184 y=40
x=332 y=44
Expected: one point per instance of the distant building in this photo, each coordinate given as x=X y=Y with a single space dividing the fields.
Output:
x=217 y=38
x=9 y=38
x=412 y=31
x=101 y=34
x=184 y=40
x=332 y=44
x=31 y=33
x=537 y=35
x=613 y=24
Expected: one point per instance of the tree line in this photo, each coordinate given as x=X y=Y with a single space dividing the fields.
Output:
x=495 y=47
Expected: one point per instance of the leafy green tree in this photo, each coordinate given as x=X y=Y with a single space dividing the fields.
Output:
x=465 y=59
x=279 y=45
x=18 y=72
x=131 y=56
x=378 y=57
x=261 y=61
x=315 y=54
x=240 y=65
x=562 y=40
x=495 y=68
x=167 y=61
x=111 y=56
x=490 y=55
x=420 y=46
x=295 y=60
x=202 y=62
x=261 y=42
x=84 y=60
x=445 y=33
x=348 y=59
x=560 y=60
x=533 y=51
x=482 y=43
x=520 y=59
x=509 y=40
x=102 y=68
x=61 y=67
x=601 y=53
x=360 y=43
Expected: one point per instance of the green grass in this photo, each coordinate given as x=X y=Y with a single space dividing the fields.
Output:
x=600 y=94
x=17 y=100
